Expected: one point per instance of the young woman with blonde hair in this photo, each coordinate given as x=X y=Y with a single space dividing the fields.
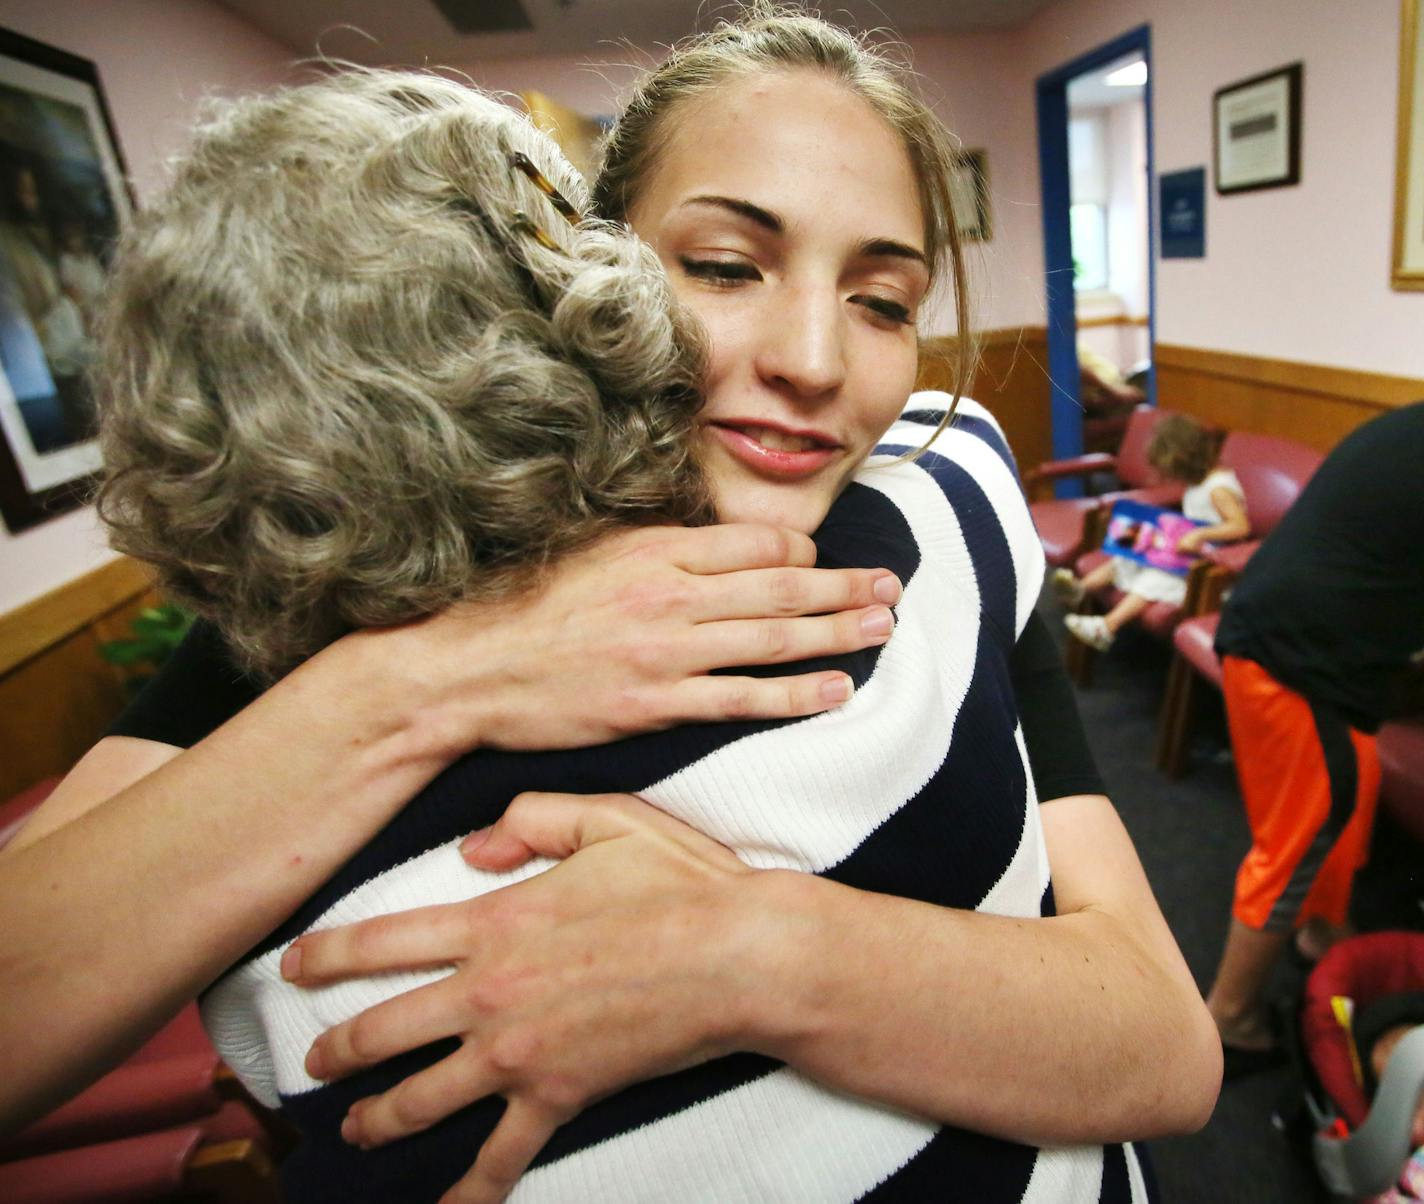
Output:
x=981 y=1038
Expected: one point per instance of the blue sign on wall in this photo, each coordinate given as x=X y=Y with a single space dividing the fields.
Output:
x=1183 y=212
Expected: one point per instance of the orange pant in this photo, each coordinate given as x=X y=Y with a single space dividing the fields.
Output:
x=1310 y=783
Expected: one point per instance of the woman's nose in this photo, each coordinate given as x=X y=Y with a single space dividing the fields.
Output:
x=803 y=343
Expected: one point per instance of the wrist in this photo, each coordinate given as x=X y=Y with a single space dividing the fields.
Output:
x=400 y=697
x=783 y=936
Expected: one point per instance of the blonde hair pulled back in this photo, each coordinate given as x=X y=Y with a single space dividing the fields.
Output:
x=345 y=382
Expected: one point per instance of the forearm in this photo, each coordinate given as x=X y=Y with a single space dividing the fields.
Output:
x=1049 y=1031
x=1085 y=1026
x=115 y=919
x=1223 y=532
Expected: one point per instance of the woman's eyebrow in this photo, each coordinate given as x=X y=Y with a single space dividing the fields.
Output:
x=871 y=248
x=876 y=247
x=762 y=217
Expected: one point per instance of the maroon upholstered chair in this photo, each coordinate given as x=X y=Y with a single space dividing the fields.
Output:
x=16 y=810
x=1272 y=472
x=176 y=1078
x=1061 y=521
x=223 y=1160
x=1401 y=753
x=1195 y=656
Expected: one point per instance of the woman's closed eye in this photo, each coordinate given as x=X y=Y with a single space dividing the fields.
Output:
x=722 y=273
x=883 y=307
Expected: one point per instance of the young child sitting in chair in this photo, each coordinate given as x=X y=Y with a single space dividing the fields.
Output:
x=1181 y=450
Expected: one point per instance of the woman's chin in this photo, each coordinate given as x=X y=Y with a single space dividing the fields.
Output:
x=798 y=511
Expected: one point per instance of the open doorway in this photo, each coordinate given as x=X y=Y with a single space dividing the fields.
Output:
x=1095 y=153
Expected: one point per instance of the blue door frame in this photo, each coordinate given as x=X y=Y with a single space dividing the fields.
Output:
x=1052 y=89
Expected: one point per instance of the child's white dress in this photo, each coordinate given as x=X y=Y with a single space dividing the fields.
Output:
x=1158 y=585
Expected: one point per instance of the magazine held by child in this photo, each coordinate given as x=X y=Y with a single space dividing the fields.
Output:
x=1149 y=535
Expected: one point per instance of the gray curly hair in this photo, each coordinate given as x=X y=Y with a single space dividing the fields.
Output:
x=356 y=367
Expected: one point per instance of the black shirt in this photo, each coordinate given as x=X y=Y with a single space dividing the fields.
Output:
x=1332 y=604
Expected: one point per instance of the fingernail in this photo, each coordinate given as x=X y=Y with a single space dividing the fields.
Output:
x=835 y=690
x=314 y=1065
x=292 y=963
x=877 y=622
x=887 y=589
x=351 y=1129
x=474 y=840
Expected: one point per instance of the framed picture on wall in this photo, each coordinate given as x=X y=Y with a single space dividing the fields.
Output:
x=969 y=192
x=1409 y=170
x=64 y=197
x=1256 y=131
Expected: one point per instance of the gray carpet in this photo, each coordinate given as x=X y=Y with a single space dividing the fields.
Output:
x=1191 y=835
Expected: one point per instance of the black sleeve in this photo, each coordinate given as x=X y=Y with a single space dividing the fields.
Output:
x=1058 y=751
x=199 y=689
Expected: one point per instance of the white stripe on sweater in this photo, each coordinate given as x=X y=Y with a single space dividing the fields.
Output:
x=778 y=1138
x=1069 y=1175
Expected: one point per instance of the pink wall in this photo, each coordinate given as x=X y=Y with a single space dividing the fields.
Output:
x=590 y=84
x=156 y=59
x=1295 y=273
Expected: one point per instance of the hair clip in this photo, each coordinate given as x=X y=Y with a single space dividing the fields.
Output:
x=523 y=225
x=522 y=162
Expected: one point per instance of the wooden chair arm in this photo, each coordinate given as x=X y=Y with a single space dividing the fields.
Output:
x=1207 y=584
x=1038 y=482
x=1095 y=527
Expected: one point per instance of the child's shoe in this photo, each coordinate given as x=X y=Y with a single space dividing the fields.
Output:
x=1068 y=588
x=1091 y=629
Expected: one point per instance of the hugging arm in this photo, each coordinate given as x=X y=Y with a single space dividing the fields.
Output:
x=1006 y=1026
x=116 y=914
x=650 y=949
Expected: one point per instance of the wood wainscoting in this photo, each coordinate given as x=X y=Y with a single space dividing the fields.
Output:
x=57 y=694
x=1010 y=379
x=1310 y=403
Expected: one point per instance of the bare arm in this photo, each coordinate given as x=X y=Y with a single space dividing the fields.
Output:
x=1233 y=525
x=117 y=914
x=150 y=871
x=1096 y=1003
x=652 y=948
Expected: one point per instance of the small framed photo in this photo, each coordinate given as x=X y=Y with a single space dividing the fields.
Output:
x=969 y=191
x=1256 y=131
x=64 y=197
x=1408 y=270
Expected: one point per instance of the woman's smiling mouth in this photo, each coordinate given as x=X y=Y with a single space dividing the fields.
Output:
x=775 y=451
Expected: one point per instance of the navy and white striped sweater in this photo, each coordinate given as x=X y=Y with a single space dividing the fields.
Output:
x=918 y=787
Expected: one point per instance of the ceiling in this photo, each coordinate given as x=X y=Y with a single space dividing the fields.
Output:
x=412 y=32
x=1091 y=91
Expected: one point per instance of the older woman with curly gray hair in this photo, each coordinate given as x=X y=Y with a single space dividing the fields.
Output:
x=357 y=368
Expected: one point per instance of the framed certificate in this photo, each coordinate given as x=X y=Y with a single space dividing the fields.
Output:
x=1256 y=131
x=1408 y=270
